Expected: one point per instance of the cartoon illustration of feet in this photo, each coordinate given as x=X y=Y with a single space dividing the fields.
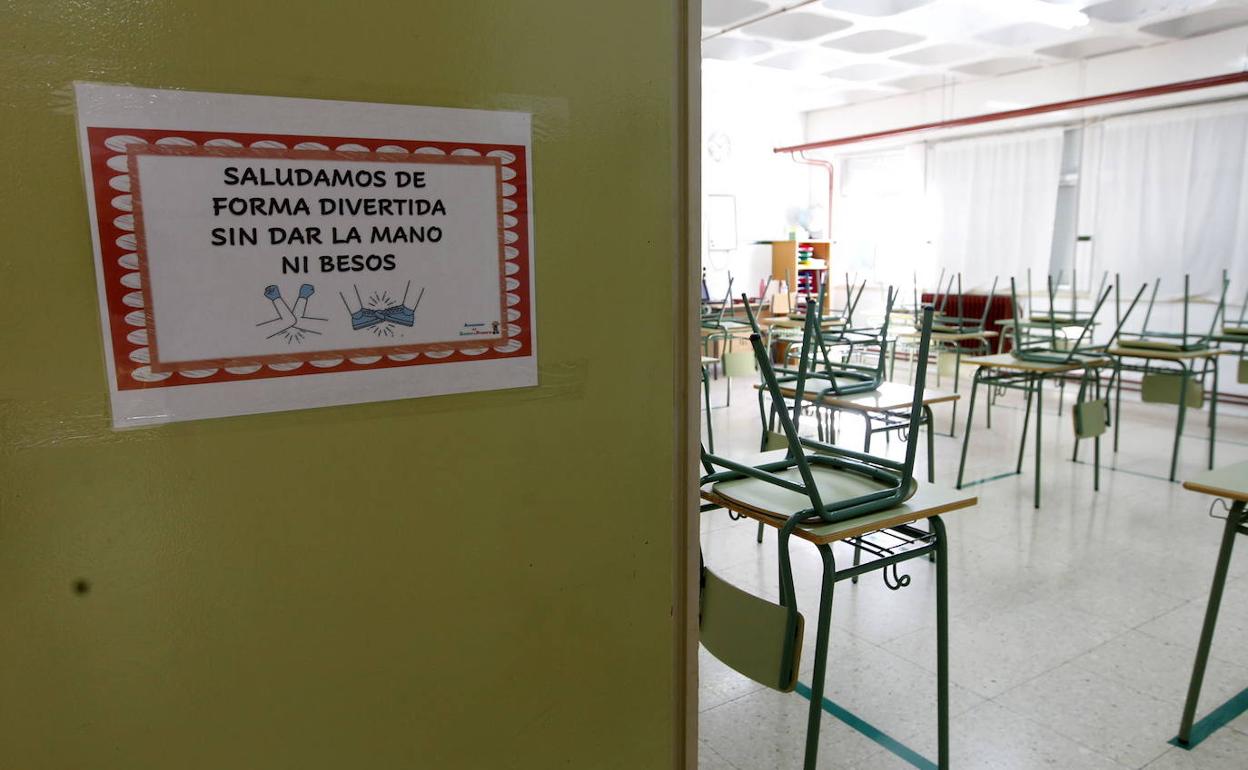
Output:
x=292 y=324
x=382 y=314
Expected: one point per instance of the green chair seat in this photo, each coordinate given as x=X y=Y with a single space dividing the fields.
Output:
x=1090 y=418
x=1165 y=388
x=815 y=386
x=768 y=498
x=1151 y=344
x=728 y=326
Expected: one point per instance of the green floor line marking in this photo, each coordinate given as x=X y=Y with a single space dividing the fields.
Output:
x=998 y=477
x=1112 y=469
x=871 y=732
x=1216 y=718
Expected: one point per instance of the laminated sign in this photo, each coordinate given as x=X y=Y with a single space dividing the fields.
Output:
x=259 y=254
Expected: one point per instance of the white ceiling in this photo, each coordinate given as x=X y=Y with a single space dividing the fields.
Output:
x=833 y=52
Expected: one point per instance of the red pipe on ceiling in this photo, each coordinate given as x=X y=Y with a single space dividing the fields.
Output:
x=828 y=167
x=1087 y=101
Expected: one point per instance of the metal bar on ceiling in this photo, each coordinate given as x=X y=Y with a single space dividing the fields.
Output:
x=1070 y=104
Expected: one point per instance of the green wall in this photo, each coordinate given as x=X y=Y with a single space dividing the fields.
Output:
x=479 y=581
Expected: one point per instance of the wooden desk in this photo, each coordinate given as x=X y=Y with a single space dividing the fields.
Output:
x=944 y=341
x=1003 y=370
x=950 y=336
x=1185 y=362
x=1231 y=483
x=788 y=322
x=1157 y=354
x=928 y=502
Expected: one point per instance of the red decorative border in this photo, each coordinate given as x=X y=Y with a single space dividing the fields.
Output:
x=129 y=323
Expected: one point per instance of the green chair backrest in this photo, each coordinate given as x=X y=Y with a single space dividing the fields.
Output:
x=1243 y=370
x=739 y=364
x=749 y=634
x=1166 y=388
x=773 y=441
x=1090 y=418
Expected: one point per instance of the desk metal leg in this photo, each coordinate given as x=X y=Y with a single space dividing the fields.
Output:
x=1184 y=378
x=710 y=431
x=957 y=369
x=1039 y=422
x=1234 y=520
x=987 y=407
x=931 y=443
x=762 y=418
x=1213 y=409
x=1117 y=399
x=1022 y=445
x=970 y=414
x=1096 y=444
x=821 y=657
x=942 y=644
x=866 y=441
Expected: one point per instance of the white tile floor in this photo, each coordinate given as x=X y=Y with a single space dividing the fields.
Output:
x=1073 y=627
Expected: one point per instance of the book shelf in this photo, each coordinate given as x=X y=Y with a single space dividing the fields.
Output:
x=806 y=279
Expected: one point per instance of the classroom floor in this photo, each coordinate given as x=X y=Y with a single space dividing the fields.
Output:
x=1072 y=630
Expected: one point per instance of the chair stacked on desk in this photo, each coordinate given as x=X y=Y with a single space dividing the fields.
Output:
x=820 y=493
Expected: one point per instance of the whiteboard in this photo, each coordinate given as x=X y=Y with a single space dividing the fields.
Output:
x=721 y=222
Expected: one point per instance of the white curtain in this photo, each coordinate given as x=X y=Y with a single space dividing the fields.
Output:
x=1172 y=198
x=993 y=201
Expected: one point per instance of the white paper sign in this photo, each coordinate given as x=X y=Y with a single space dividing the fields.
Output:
x=260 y=254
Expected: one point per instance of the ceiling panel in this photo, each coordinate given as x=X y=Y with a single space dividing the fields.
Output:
x=724 y=13
x=874 y=7
x=734 y=48
x=920 y=82
x=805 y=59
x=1024 y=35
x=869 y=71
x=812 y=49
x=942 y=53
x=1001 y=66
x=1203 y=23
x=1088 y=47
x=796 y=26
x=874 y=41
x=1127 y=11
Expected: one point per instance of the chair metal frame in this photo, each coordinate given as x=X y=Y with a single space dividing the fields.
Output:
x=1143 y=337
x=911 y=542
x=865 y=378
